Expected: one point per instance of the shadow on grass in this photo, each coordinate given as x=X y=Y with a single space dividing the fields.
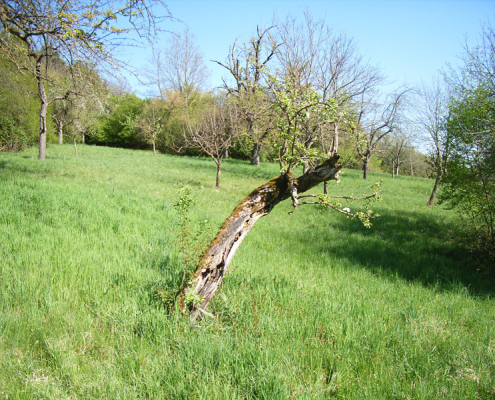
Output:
x=411 y=246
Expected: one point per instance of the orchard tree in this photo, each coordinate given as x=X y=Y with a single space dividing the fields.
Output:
x=179 y=67
x=394 y=150
x=314 y=56
x=215 y=133
x=247 y=66
x=292 y=106
x=151 y=121
x=72 y=31
x=376 y=119
x=431 y=110
x=63 y=116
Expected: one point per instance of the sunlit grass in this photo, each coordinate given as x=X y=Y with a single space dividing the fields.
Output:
x=314 y=306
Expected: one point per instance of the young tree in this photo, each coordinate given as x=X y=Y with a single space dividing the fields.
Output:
x=63 y=117
x=394 y=149
x=430 y=114
x=71 y=31
x=375 y=120
x=151 y=121
x=214 y=133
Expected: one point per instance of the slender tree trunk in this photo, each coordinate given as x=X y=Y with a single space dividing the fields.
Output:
x=393 y=169
x=366 y=167
x=60 y=134
x=219 y=171
x=75 y=145
x=305 y=167
x=43 y=110
x=255 y=154
x=335 y=141
x=216 y=260
x=154 y=150
x=83 y=137
x=433 y=195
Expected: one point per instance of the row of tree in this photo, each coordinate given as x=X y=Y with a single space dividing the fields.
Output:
x=290 y=55
x=296 y=93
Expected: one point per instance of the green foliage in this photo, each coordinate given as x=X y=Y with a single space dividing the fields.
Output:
x=117 y=127
x=19 y=119
x=469 y=183
x=294 y=107
x=191 y=243
x=314 y=306
x=12 y=138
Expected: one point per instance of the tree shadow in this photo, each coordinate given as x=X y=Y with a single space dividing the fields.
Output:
x=410 y=246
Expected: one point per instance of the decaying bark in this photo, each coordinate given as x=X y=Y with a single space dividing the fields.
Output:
x=216 y=260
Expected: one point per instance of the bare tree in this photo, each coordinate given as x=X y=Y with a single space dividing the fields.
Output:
x=430 y=113
x=375 y=120
x=62 y=117
x=215 y=133
x=394 y=149
x=178 y=67
x=247 y=66
x=151 y=122
x=314 y=56
x=72 y=31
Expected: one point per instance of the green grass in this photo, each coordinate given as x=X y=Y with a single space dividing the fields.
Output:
x=315 y=306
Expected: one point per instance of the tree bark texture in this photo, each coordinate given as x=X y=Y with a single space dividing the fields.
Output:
x=255 y=154
x=219 y=171
x=365 y=167
x=43 y=111
x=434 y=191
x=216 y=259
x=60 y=134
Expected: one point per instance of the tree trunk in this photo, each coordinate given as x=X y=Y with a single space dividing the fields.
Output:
x=154 y=150
x=335 y=141
x=431 y=200
x=83 y=138
x=255 y=154
x=60 y=134
x=216 y=259
x=393 y=169
x=366 y=167
x=219 y=171
x=43 y=110
x=305 y=167
x=75 y=145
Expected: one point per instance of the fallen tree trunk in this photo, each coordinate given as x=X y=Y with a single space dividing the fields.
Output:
x=216 y=259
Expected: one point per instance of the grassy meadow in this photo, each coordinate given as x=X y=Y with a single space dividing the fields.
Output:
x=314 y=306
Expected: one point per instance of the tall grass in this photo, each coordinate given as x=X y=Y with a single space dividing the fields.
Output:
x=315 y=305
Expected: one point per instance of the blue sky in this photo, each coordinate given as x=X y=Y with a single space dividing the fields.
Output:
x=409 y=40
